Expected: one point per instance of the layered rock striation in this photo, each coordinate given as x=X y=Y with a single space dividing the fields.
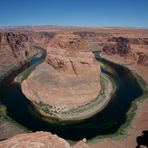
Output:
x=69 y=41
x=15 y=47
x=19 y=44
x=143 y=59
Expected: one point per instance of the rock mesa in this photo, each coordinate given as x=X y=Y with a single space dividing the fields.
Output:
x=65 y=81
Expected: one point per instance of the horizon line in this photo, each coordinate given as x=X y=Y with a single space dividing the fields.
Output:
x=72 y=26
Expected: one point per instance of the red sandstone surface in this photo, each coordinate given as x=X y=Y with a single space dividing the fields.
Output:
x=35 y=140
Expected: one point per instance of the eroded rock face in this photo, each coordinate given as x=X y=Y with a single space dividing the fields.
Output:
x=35 y=140
x=69 y=41
x=95 y=39
x=19 y=44
x=116 y=41
x=15 y=47
x=143 y=59
x=118 y=45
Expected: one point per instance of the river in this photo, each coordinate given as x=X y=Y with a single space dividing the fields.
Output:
x=106 y=122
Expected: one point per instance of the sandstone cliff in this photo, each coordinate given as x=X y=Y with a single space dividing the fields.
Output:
x=118 y=45
x=123 y=42
x=143 y=59
x=69 y=41
x=17 y=46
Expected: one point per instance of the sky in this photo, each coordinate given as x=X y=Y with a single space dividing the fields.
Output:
x=124 y=13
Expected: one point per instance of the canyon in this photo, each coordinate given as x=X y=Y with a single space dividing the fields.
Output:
x=69 y=61
x=17 y=45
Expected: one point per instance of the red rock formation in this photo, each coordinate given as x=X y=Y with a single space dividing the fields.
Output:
x=65 y=81
x=143 y=59
x=122 y=42
x=74 y=63
x=94 y=39
x=118 y=45
x=17 y=46
x=69 y=41
x=35 y=140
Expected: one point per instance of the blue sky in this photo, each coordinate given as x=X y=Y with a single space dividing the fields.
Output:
x=126 y=13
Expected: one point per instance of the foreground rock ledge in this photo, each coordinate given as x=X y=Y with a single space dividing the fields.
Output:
x=66 y=81
x=39 y=139
x=35 y=140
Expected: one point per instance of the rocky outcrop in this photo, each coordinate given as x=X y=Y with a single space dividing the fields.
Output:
x=125 y=43
x=65 y=82
x=123 y=46
x=95 y=39
x=118 y=45
x=143 y=59
x=139 y=41
x=69 y=41
x=41 y=39
x=15 y=47
x=35 y=140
